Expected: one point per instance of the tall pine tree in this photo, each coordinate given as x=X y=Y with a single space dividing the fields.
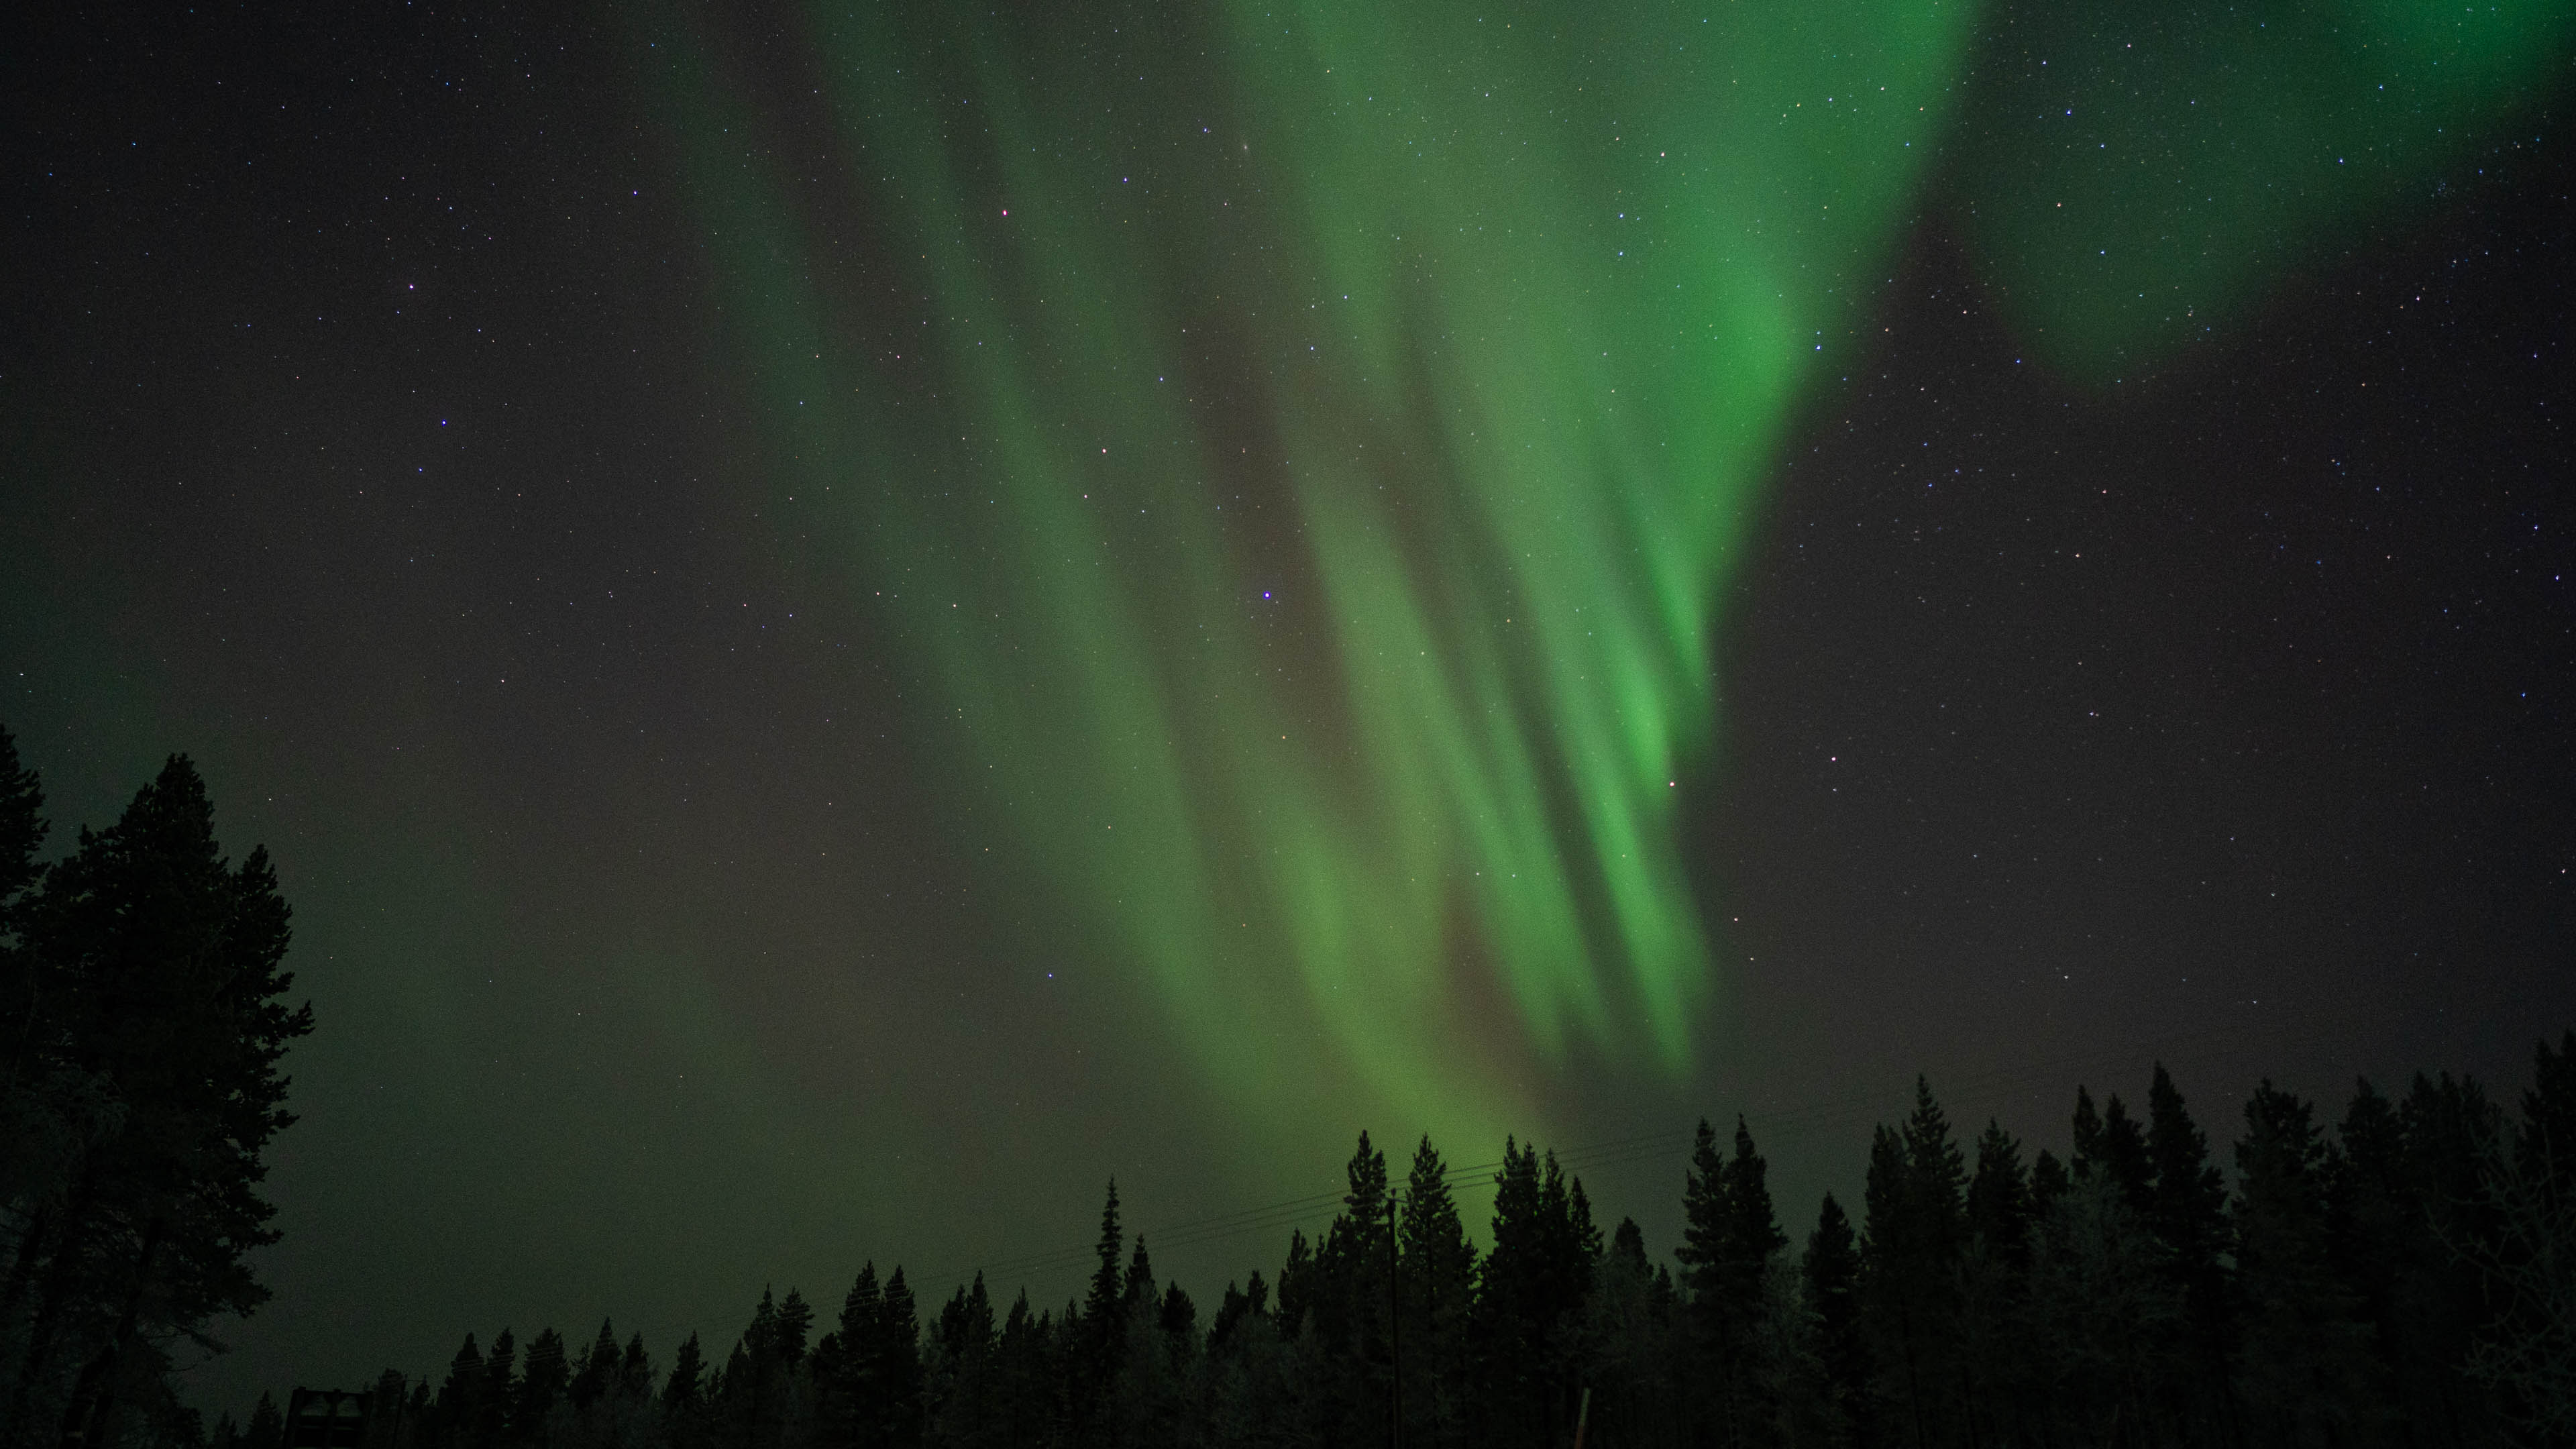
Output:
x=154 y=969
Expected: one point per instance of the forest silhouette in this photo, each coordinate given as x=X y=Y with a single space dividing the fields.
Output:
x=2403 y=1276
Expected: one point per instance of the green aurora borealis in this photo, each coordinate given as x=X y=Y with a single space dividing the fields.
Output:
x=1303 y=449
x=845 y=619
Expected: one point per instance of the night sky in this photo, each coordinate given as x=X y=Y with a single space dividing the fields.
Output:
x=845 y=621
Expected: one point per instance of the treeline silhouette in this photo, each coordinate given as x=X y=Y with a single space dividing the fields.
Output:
x=2402 y=1278
x=143 y=1025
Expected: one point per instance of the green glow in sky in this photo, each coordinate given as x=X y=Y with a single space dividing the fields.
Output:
x=1303 y=447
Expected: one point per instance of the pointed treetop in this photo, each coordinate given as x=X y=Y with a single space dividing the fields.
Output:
x=1140 y=1276
x=1366 y=1199
x=1107 y=1286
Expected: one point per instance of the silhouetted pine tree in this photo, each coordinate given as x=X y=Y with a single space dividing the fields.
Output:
x=1438 y=1283
x=2188 y=1213
x=685 y=1389
x=1531 y=1309
x=1753 y=1244
x=267 y=1426
x=1730 y=1236
x=1032 y=1410
x=1830 y=1271
x=500 y=1391
x=598 y=1371
x=1994 y=1271
x=960 y=1385
x=460 y=1398
x=2528 y=1352
x=793 y=1330
x=1512 y=1307
x=152 y=969
x=2305 y=1348
x=2049 y=1180
x=2012 y=1307
x=734 y=1419
x=1350 y=1306
x=1103 y=1329
x=635 y=1369
x=1138 y=1290
x=897 y=1355
x=1231 y=1310
x=541 y=1388
x=848 y=1393
x=1296 y=1286
x=1914 y=1232
x=51 y=1111
x=2103 y=1313
x=2452 y=1132
x=2380 y=1236
x=1640 y=1367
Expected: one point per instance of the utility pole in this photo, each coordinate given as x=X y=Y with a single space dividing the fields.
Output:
x=1394 y=1331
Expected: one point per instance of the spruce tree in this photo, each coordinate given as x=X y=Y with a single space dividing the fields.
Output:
x=1708 y=1279
x=1755 y=1231
x=1999 y=1197
x=848 y=1381
x=795 y=1325
x=1737 y=1310
x=2545 y=1140
x=2049 y=1180
x=1917 y=1212
x=500 y=1390
x=1231 y=1311
x=2305 y=1347
x=1103 y=1322
x=1139 y=1289
x=1178 y=1318
x=154 y=968
x=2085 y=1155
x=897 y=1356
x=598 y=1372
x=966 y=1323
x=1512 y=1306
x=2373 y=1216
x=1831 y=1274
x=685 y=1389
x=1350 y=1305
x=2189 y=1209
x=541 y=1387
x=1706 y=1219
x=1993 y=1278
x=267 y=1426
x=1438 y=1282
x=1296 y=1285
x=635 y=1370
x=460 y=1398
x=2125 y=1156
x=2528 y=1351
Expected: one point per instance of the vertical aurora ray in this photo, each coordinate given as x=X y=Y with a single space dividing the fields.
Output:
x=1303 y=447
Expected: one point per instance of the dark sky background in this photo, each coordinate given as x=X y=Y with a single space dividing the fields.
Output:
x=363 y=433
